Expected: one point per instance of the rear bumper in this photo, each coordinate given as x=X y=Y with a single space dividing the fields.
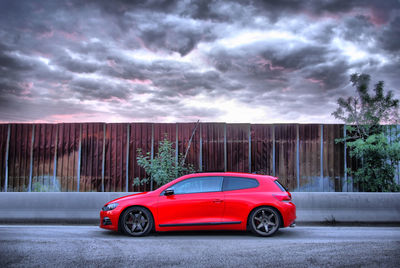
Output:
x=288 y=211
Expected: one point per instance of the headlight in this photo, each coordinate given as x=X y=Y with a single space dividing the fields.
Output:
x=110 y=206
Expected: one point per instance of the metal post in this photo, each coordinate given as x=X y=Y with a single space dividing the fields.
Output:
x=249 y=148
x=79 y=158
x=31 y=160
x=7 y=152
x=273 y=150
x=176 y=145
x=55 y=160
x=345 y=158
x=225 y=151
x=201 y=150
x=103 y=160
x=398 y=163
x=152 y=154
x=127 y=158
x=321 y=164
x=297 y=158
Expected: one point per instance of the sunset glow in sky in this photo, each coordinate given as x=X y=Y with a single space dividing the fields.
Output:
x=180 y=61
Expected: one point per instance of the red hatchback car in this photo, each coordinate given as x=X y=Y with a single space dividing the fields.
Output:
x=204 y=201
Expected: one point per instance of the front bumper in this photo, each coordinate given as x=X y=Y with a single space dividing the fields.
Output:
x=109 y=220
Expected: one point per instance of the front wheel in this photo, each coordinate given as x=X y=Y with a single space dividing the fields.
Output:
x=264 y=221
x=137 y=221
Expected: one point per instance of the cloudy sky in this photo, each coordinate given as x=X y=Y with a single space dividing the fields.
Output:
x=178 y=61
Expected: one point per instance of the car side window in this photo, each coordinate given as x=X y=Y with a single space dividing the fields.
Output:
x=238 y=183
x=198 y=185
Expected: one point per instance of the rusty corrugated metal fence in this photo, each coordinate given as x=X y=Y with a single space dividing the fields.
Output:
x=102 y=157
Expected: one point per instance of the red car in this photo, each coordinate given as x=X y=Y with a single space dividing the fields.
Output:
x=204 y=201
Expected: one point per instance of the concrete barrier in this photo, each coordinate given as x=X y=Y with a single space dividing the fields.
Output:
x=331 y=208
x=316 y=207
x=59 y=207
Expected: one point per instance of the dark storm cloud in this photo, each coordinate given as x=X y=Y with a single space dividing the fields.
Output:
x=149 y=57
x=390 y=37
x=95 y=89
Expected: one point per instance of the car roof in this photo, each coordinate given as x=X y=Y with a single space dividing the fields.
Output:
x=231 y=174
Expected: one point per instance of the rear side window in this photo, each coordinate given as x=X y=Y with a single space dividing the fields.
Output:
x=238 y=183
x=283 y=189
x=198 y=185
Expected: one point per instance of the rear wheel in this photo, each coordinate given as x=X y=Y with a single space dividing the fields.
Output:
x=264 y=221
x=137 y=221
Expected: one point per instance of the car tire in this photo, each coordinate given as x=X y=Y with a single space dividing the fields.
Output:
x=264 y=221
x=136 y=221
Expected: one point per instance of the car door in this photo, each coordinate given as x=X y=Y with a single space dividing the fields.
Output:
x=196 y=201
x=238 y=198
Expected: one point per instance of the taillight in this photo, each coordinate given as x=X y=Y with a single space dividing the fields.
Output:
x=284 y=197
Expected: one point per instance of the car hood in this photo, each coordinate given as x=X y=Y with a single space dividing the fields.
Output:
x=129 y=197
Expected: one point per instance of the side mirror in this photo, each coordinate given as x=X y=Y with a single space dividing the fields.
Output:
x=168 y=192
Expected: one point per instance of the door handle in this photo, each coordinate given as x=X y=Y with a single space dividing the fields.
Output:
x=218 y=200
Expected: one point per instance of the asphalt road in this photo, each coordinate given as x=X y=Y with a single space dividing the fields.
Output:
x=69 y=246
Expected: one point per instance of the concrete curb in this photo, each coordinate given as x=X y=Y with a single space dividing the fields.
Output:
x=315 y=207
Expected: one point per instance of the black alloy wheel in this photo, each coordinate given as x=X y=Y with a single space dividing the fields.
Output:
x=264 y=221
x=137 y=221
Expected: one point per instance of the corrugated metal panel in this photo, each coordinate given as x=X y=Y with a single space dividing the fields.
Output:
x=91 y=157
x=19 y=157
x=333 y=160
x=115 y=161
x=43 y=157
x=261 y=148
x=140 y=138
x=185 y=131
x=237 y=147
x=285 y=161
x=67 y=156
x=3 y=145
x=309 y=145
x=213 y=147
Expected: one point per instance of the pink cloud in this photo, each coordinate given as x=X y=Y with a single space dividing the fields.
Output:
x=27 y=86
x=316 y=81
x=66 y=118
x=140 y=82
x=45 y=35
x=378 y=16
x=264 y=63
x=74 y=36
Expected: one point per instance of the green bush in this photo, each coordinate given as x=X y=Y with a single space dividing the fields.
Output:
x=163 y=168
x=378 y=163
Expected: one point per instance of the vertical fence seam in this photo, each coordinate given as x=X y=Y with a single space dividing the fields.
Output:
x=321 y=164
x=7 y=152
x=31 y=160
x=201 y=149
x=249 y=148
x=398 y=162
x=176 y=144
x=127 y=157
x=79 y=158
x=103 y=160
x=345 y=157
x=273 y=150
x=55 y=159
x=297 y=158
x=152 y=154
x=225 y=151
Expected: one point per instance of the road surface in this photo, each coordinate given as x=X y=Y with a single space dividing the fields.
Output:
x=69 y=246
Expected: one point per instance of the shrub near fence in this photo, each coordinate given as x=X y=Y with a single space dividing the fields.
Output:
x=100 y=157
